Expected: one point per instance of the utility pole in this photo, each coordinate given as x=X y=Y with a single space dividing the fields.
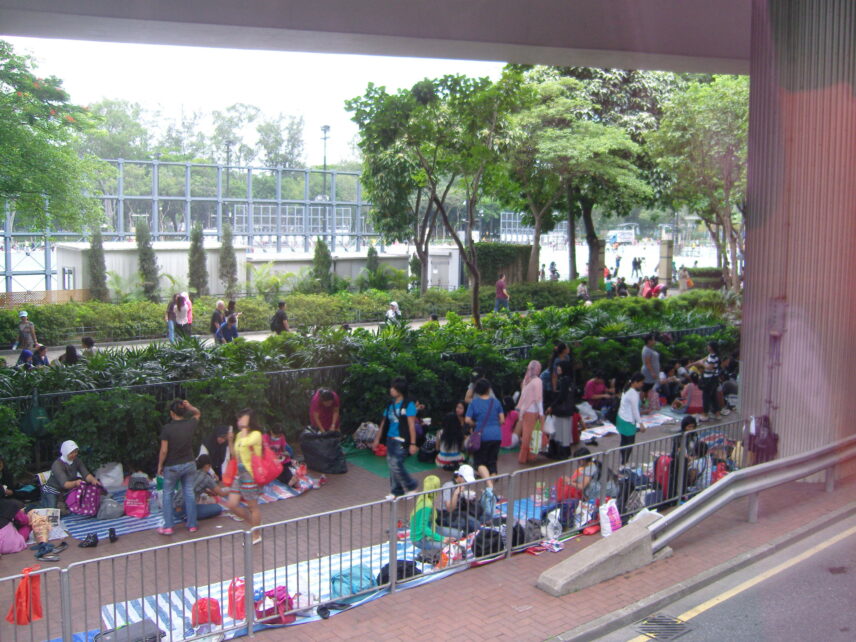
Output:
x=228 y=172
x=325 y=134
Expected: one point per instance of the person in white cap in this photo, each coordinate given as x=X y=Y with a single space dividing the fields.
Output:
x=464 y=508
x=393 y=315
x=26 y=332
x=67 y=472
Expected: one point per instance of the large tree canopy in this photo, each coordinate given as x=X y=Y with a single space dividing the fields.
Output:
x=702 y=146
x=41 y=173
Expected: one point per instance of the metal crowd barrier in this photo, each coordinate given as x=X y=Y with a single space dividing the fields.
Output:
x=348 y=547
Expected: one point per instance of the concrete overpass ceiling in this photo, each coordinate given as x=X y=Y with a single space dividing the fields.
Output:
x=678 y=35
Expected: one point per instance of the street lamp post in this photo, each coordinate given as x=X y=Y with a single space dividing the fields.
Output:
x=325 y=134
x=229 y=144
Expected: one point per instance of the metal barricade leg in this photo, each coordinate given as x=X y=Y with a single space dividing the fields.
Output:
x=65 y=605
x=753 y=507
x=510 y=520
x=830 y=479
x=250 y=605
x=393 y=544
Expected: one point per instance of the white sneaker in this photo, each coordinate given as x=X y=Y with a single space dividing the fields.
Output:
x=233 y=516
x=390 y=496
x=725 y=412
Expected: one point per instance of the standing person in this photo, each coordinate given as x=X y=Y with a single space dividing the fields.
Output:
x=710 y=381
x=393 y=315
x=189 y=305
x=279 y=321
x=232 y=310
x=324 y=410
x=549 y=378
x=398 y=432
x=629 y=419
x=182 y=317
x=218 y=318
x=542 y=273
x=530 y=405
x=683 y=278
x=554 y=273
x=89 y=349
x=169 y=317
x=26 y=332
x=176 y=463
x=502 y=297
x=227 y=332
x=244 y=445
x=617 y=264
x=621 y=288
x=650 y=362
x=485 y=415
x=563 y=405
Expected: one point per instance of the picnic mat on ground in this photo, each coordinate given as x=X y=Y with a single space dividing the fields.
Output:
x=367 y=460
x=79 y=526
x=596 y=432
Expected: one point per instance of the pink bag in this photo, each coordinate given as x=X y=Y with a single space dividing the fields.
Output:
x=137 y=503
x=84 y=500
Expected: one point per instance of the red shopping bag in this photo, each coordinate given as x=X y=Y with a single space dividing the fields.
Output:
x=27 y=606
x=137 y=503
x=230 y=472
x=206 y=610
x=266 y=468
x=237 y=608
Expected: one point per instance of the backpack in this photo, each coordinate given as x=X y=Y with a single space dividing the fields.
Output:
x=347 y=583
x=488 y=542
x=532 y=531
x=403 y=570
x=365 y=435
x=142 y=631
x=275 y=324
x=428 y=450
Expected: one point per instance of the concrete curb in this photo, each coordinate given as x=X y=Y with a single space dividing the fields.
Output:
x=636 y=611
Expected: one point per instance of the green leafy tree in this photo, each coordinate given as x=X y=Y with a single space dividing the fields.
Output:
x=372 y=261
x=228 y=272
x=702 y=144
x=322 y=265
x=415 y=272
x=197 y=274
x=280 y=141
x=97 y=267
x=48 y=182
x=147 y=261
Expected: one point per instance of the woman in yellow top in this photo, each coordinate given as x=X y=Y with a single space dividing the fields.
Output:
x=244 y=445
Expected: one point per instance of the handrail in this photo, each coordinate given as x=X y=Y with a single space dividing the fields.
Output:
x=749 y=481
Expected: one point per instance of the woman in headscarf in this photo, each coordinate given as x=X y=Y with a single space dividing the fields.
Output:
x=424 y=532
x=67 y=472
x=216 y=446
x=25 y=360
x=531 y=409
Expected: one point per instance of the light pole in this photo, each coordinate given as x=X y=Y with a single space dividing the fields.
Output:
x=229 y=144
x=325 y=134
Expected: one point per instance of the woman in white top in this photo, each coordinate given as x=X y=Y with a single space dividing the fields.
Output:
x=531 y=409
x=629 y=419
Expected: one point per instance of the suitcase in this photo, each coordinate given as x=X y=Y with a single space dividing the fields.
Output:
x=143 y=631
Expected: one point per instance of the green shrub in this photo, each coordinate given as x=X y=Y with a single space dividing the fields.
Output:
x=15 y=446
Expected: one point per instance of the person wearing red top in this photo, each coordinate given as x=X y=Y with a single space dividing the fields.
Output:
x=597 y=393
x=324 y=410
x=502 y=296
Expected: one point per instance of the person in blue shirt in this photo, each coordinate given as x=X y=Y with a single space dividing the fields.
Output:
x=227 y=332
x=398 y=432
x=486 y=416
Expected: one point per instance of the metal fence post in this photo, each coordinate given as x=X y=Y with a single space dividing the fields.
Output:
x=393 y=544
x=830 y=479
x=510 y=512
x=753 y=507
x=682 y=467
x=603 y=478
x=65 y=605
x=250 y=605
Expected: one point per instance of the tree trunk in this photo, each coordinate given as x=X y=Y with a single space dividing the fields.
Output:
x=572 y=236
x=595 y=269
x=532 y=272
x=423 y=268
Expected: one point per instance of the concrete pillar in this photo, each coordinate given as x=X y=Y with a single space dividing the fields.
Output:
x=798 y=337
x=664 y=269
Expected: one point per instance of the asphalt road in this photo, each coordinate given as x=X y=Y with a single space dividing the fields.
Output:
x=805 y=592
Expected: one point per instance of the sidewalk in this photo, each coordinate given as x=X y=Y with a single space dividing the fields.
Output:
x=499 y=601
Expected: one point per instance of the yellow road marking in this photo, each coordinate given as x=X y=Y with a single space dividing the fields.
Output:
x=727 y=595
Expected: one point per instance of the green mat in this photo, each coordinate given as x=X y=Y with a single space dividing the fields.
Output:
x=377 y=465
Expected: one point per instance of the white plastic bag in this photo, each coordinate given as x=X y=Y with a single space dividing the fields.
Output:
x=587 y=413
x=111 y=476
x=549 y=427
x=610 y=519
x=554 y=528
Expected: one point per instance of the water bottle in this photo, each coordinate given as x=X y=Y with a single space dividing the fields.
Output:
x=553 y=495
x=546 y=492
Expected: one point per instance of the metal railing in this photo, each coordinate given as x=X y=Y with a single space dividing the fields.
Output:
x=339 y=555
x=750 y=482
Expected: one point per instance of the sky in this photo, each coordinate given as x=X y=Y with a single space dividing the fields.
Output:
x=171 y=79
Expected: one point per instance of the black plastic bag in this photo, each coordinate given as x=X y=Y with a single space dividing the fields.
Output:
x=322 y=451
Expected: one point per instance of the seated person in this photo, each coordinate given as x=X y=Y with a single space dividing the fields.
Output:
x=425 y=534
x=227 y=332
x=10 y=489
x=67 y=472
x=690 y=400
x=465 y=510
x=25 y=360
x=14 y=527
x=89 y=349
x=450 y=439
x=600 y=395
x=216 y=446
x=274 y=438
x=40 y=356
x=699 y=466
x=668 y=385
x=575 y=486
x=204 y=485
x=511 y=418
x=324 y=410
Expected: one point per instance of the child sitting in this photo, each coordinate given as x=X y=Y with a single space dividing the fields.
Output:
x=274 y=439
x=690 y=400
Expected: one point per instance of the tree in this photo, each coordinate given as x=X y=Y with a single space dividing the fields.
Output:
x=197 y=274
x=372 y=261
x=416 y=272
x=443 y=132
x=228 y=271
x=280 y=141
x=229 y=126
x=702 y=145
x=322 y=264
x=50 y=185
x=97 y=267
x=147 y=261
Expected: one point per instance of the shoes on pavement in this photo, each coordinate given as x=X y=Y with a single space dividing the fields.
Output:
x=111 y=533
x=90 y=541
x=164 y=531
